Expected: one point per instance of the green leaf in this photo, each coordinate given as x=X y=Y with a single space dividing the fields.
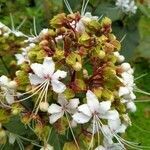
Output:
x=56 y=140
x=15 y=126
x=108 y=10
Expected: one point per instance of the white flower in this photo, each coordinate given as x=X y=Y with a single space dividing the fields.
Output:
x=94 y=108
x=120 y=58
x=20 y=58
x=65 y=106
x=114 y=146
x=126 y=91
x=47 y=147
x=7 y=88
x=131 y=7
x=45 y=73
x=43 y=32
x=127 y=6
x=23 y=57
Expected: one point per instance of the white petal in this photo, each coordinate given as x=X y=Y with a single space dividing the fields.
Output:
x=104 y=106
x=123 y=91
x=81 y=118
x=58 y=86
x=122 y=128
x=100 y=148
x=34 y=79
x=4 y=80
x=54 y=117
x=107 y=132
x=92 y=101
x=111 y=114
x=73 y=103
x=85 y=110
x=20 y=58
x=48 y=66
x=131 y=106
x=12 y=138
x=54 y=108
x=59 y=75
x=37 y=69
x=9 y=98
x=125 y=66
x=62 y=100
x=114 y=124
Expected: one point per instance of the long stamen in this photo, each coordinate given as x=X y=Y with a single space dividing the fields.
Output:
x=127 y=143
x=134 y=144
x=98 y=134
x=37 y=101
x=82 y=8
x=23 y=21
x=122 y=39
x=141 y=101
x=12 y=22
x=85 y=6
x=40 y=98
x=34 y=26
x=141 y=91
x=141 y=76
x=68 y=6
x=72 y=131
x=31 y=95
x=32 y=90
x=143 y=130
x=46 y=92
x=93 y=130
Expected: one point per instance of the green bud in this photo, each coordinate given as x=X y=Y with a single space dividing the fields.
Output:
x=70 y=146
x=58 y=20
x=84 y=39
x=2 y=133
x=77 y=66
x=106 y=22
x=69 y=93
x=107 y=95
x=98 y=92
x=80 y=84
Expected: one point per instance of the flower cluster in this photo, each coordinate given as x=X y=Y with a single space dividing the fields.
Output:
x=76 y=80
x=127 y=6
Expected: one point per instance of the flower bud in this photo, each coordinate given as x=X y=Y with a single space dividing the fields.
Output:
x=15 y=111
x=101 y=54
x=12 y=84
x=85 y=73
x=73 y=124
x=77 y=66
x=125 y=66
x=43 y=43
x=2 y=134
x=131 y=106
x=106 y=21
x=44 y=106
x=120 y=58
x=47 y=147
